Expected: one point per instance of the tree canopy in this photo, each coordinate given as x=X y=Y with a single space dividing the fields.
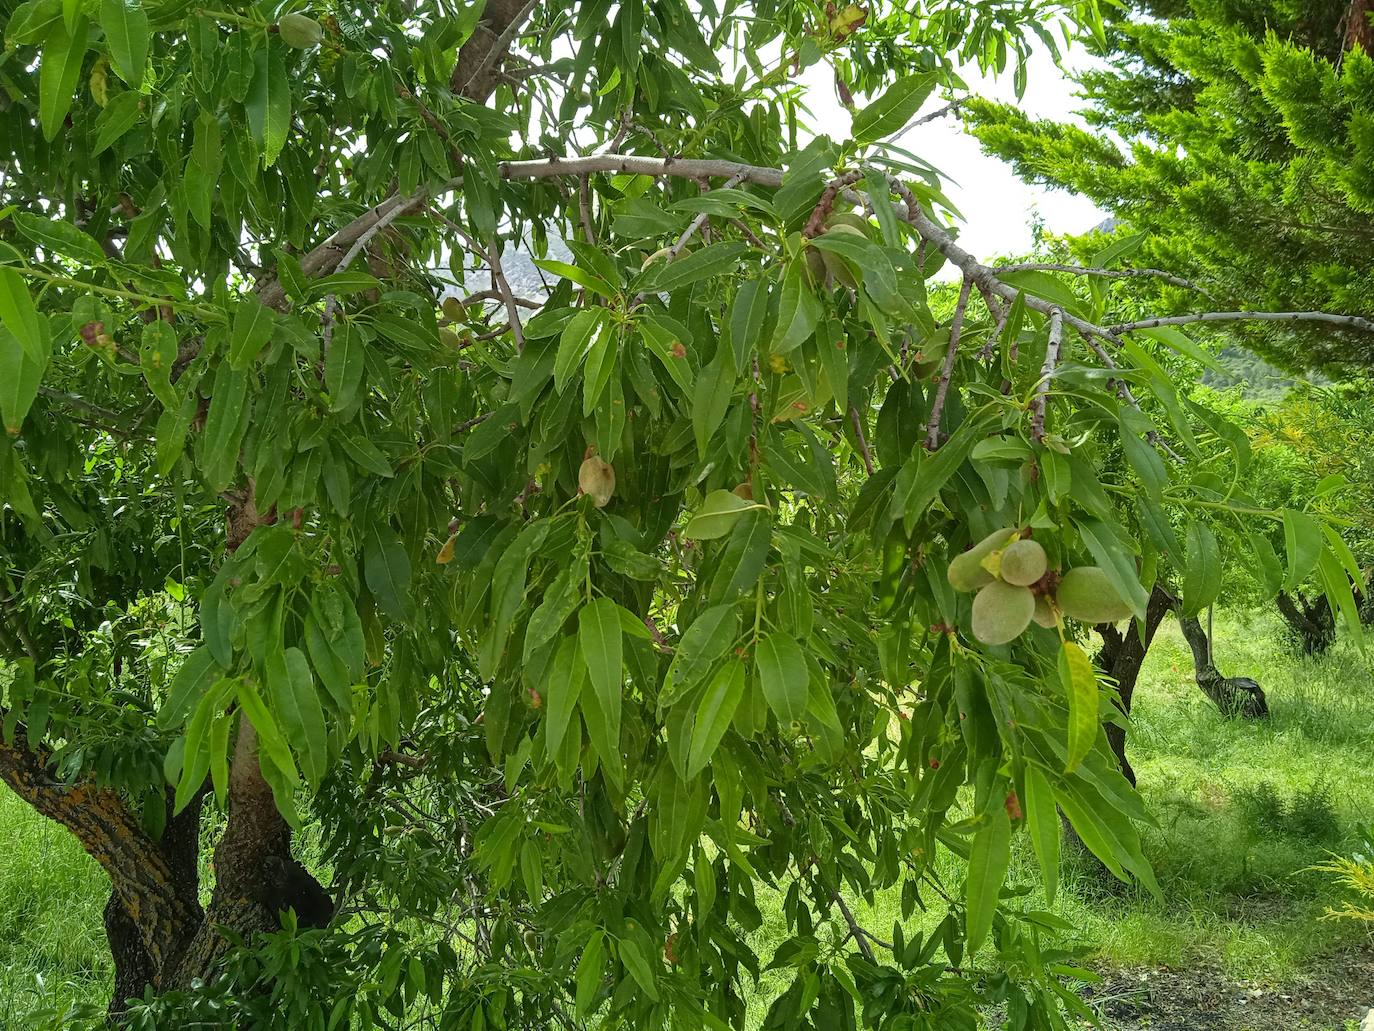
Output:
x=566 y=626
x=1240 y=138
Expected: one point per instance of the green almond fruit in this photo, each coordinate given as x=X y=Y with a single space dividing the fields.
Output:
x=1001 y=612
x=966 y=572
x=300 y=31
x=1023 y=563
x=1044 y=615
x=1086 y=594
x=847 y=218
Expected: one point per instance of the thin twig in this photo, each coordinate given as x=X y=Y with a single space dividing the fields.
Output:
x=951 y=108
x=864 y=453
x=1042 y=387
x=956 y=328
x=497 y=50
x=499 y=283
x=495 y=295
x=584 y=204
x=695 y=225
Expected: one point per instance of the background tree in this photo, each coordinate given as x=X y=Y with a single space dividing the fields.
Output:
x=1246 y=158
x=563 y=634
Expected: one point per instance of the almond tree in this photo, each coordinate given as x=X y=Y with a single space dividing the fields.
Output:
x=568 y=625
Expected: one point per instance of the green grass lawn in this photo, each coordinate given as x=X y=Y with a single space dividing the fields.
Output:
x=1243 y=810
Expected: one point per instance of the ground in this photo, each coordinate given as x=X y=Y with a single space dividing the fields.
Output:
x=1237 y=942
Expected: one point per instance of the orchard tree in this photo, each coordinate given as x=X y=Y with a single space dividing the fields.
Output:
x=574 y=628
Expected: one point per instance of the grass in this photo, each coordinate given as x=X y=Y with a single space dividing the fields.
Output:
x=52 y=940
x=1243 y=810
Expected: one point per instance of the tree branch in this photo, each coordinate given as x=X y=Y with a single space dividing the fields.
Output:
x=1102 y=273
x=1042 y=387
x=1347 y=321
x=956 y=329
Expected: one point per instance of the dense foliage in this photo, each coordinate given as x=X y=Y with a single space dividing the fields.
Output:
x=566 y=634
x=1248 y=131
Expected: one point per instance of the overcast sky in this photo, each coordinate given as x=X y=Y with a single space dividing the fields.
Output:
x=998 y=207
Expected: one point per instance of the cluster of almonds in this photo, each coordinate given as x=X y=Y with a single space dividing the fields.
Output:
x=1015 y=585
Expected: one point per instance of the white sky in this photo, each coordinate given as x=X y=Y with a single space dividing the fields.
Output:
x=997 y=206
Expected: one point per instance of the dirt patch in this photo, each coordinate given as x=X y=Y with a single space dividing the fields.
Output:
x=1201 y=999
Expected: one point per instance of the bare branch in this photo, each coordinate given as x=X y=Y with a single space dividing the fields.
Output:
x=584 y=204
x=1101 y=273
x=697 y=223
x=495 y=295
x=956 y=329
x=499 y=283
x=953 y=107
x=1347 y=321
x=1042 y=387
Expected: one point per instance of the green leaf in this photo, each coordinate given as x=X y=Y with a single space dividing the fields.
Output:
x=598 y=634
x=708 y=637
x=269 y=104
x=253 y=322
x=1042 y=821
x=386 y=570
x=580 y=276
x=715 y=387
x=713 y=260
x=784 y=676
x=1201 y=569
x=296 y=700
x=590 y=968
x=716 y=517
x=1080 y=684
x=799 y=311
x=19 y=315
x=196 y=675
x=1110 y=551
x=203 y=168
x=20 y=377
x=343 y=365
x=1145 y=460
x=714 y=714
x=893 y=109
x=60 y=69
x=1302 y=536
x=119 y=116
x=633 y=958
x=563 y=688
x=126 y=32
x=224 y=426
x=195 y=764
x=577 y=339
x=60 y=237
x=272 y=746
x=914 y=491
x=989 y=855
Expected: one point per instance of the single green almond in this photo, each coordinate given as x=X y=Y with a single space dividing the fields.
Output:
x=300 y=31
x=1086 y=594
x=1001 y=612
x=966 y=570
x=1023 y=563
x=1044 y=615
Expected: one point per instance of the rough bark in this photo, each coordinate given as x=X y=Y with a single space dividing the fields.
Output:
x=1312 y=622
x=1234 y=696
x=1121 y=657
x=1359 y=31
x=154 y=907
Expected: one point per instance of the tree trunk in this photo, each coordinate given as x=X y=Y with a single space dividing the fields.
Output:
x=1234 y=696
x=1121 y=657
x=1312 y=622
